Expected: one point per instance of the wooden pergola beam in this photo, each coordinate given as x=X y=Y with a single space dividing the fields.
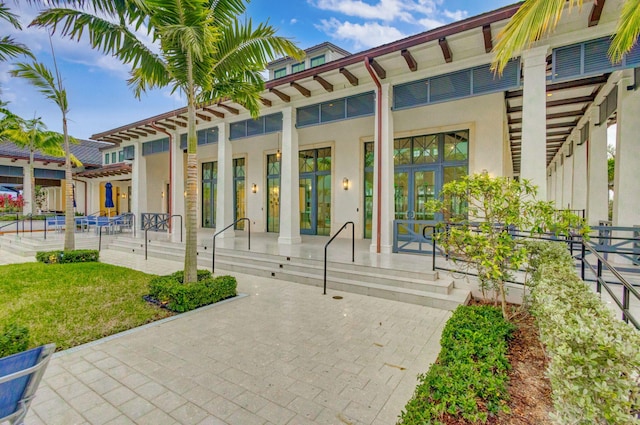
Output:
x=303 y=90
x=411 y=62
x=446 y=50
x=488 y=40
x=265 y=102
x=324 y=83
x=232 y=110
x=164 y=124
x=203 y=116
x=596 y=12
x=213 y=112
x=176 y=122
x=382 y=74
x=284 y=97
x=352 y=79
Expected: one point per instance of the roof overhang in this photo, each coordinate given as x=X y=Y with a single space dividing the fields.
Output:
x=107 y=171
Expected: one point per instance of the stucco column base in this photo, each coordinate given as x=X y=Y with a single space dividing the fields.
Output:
x=289 y=241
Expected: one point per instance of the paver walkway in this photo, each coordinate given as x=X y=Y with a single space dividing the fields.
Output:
x=284 y=354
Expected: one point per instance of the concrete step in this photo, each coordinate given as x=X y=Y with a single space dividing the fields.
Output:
x=28 y=246
x=427 y=281
x=401 y=285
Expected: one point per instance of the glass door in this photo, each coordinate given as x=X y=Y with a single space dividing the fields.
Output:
x=239 y=191
x=315 y=191
x=414 y=188
x=273 y=193
x=209 y=193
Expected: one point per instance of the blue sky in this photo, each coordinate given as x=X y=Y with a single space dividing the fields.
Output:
x=100 y=100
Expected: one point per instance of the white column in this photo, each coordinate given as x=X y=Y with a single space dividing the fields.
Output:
x=534 y=119
x=559 y=183
x=626 y=207
x=138 y=186
x=27 y=190
x=289 y=181
x=597 y=180
x=567 y=179
x=177 y=189
x=224 y=198
x=579 y=176
x=388 y=174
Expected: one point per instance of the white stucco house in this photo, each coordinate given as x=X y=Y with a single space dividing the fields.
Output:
x=370 y=137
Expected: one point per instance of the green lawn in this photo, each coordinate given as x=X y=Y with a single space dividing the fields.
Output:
x=71 y=304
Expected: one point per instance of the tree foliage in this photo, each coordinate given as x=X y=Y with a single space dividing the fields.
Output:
x=496 y=214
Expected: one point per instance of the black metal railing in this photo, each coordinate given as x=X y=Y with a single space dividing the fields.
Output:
x=164 y=224
x=16 y=221
x=627 y=288
x=213 y=249
x=154 y=221
x=121 y=221
x=353 y=249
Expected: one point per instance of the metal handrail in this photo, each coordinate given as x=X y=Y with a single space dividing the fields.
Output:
x=627 y=288
x=165 y=221
x=213 y=253
x=353 y=249
x=17 y=220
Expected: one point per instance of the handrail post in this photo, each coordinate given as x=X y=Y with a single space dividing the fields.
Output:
x=582 y=259
x=625 y=303
x=353 y=242
x=599 y=277
x=100 y=239
x=45 y=227
x=331 y=240
x=324 y=292
x=17 y=224
x=433 y=251
x=145 y=242
x=213 y=253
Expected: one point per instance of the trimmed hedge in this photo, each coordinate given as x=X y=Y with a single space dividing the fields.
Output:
x=594 y=358
x=179 y=297
x=471 y=370
x=66 y=257
x=13 y=339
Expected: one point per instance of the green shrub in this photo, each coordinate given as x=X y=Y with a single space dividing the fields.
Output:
x=180 y=297
x=471 y=370
x=13 y=339
x=202 y=274
x=65 y=257
x=594 y=357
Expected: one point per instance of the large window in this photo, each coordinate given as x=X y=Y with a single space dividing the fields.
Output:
x=368 y=189
x=297 y=67
x=205 y=137
x=317 y=61
x=279 y=73
x=336 y=109
x=315 y=191
x=209 y=193
x=239 y=191
x=273 y=193
x=261 y=125
x=156 y=146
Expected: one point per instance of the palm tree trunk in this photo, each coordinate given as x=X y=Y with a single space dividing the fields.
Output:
x=191 y=248
x=33 y=181
x=69 y=222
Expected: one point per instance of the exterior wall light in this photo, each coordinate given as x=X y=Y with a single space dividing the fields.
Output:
x=345 y=183
x=254 y=188
x=162 y=194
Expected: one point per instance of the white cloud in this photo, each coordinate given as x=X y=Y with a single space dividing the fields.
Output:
x=293 y=21
x=382 y=21
x=457 y=15
x=365 y=35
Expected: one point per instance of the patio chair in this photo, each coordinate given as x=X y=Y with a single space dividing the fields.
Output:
x=57 y=222
x=20 y=375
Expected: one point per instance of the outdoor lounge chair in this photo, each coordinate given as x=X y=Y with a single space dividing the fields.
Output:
x=56 y=221
x=20 y=375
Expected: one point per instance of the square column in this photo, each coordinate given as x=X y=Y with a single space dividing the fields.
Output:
x=138 y=185
x=534 y=119
x=579 y=198
x=567 y=178
x=626 y=205
x=178 y=179
x=387 y=172
x=559 y=183
x=27 y=191
x=224 y=199
x=597 y=180
x=289 y=181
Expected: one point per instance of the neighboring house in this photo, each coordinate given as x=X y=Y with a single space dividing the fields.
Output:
x=371 y=137
x=49 y=172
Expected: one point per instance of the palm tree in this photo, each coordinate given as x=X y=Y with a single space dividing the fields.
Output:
x=32 y=135
x=205 y=52
x=537 y=17
x=9 y=48
x=43 y=80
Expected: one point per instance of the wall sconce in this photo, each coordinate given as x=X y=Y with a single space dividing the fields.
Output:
x=124 y=196
x=254 y=188
x=185 y=193
x=163 y=194
x=345 y=183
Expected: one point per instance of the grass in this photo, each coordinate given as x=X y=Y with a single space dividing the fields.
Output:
x=71 y=304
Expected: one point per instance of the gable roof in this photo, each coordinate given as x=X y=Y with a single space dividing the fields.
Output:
x=87 y=151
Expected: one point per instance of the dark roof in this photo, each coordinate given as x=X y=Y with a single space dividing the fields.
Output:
x=87 y=151
x=312 y=49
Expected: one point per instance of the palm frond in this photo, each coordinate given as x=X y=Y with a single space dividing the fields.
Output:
x=42 y=79
x=9 y=48
x=7 y=15
x=529 y=24
x=627 y=31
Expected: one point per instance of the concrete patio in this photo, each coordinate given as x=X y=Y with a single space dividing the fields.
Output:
x=282 y=354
